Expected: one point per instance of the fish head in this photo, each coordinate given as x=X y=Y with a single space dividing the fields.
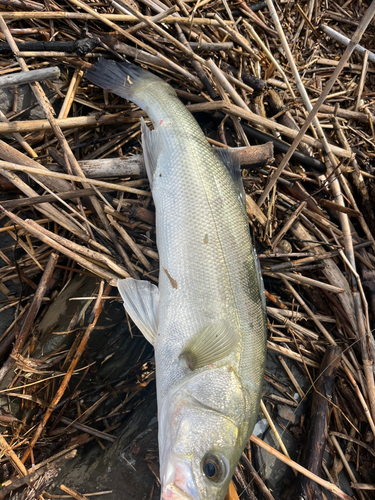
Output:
x=204 y=425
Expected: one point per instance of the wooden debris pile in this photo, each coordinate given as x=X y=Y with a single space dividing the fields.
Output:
x=271 y=78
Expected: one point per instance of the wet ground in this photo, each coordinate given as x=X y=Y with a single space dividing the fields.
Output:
x=119 y=386
x=124 y=466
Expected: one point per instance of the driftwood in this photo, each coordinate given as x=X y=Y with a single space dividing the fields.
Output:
x=114 y=167
x=49 y=198
x=23 y=4
x=211 y=46
x=32 y=476
x=35 y=75
x=318 y=431
x=135 y=211
x=73 y=493
x=64 y=123
x=252 y=81
x=31 y=315
x=280 y=146
x=45 y=208
x=296 y=466
x=345 y=41
x=124 y=18
x=8 y=153
x=252 y=157
x=80 y=47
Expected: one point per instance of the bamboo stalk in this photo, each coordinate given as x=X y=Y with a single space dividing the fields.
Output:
x=122 y=18
x=362 y=80
x=344 y=40
x=90 y=254
x=257 y=479
x=128 y=240
x=69 y=97
x=73 y=493
x=318 y=323
x=318 y=425
x=176 y=67
x=155 y=19
x=327 y=88
x=271 y=346
x=95 y=269
x=18 y=465
x=26 y=146
x=331 y=271
x=221 y=78
x=84 y=180
x=82 y=345
x=272 y=125
x=66 y=123
x=10 y=154
x=346 y=465
x=93 y=121
x=298 y=278
x=236 y=37
x=270 y=56
x=273 y=427
x=45 y=208
x=288 y=224
x=35 y=472
x=32 y=312
x=294 y=326
x=326 y=484
x=361 y=399
x=292 y=379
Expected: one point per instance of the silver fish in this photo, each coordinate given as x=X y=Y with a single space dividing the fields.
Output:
x=206 y=319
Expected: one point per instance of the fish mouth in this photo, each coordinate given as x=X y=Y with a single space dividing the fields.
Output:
x=173 y=492
x=179 y=482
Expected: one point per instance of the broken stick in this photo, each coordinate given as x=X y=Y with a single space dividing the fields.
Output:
x=318 y=431
x=35 y=75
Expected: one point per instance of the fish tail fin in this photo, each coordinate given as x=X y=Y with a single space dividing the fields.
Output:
x=124 y=79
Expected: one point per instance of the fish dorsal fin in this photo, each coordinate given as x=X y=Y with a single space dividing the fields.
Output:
x=213 y=343
x=141 y=301
x=232 y=162
x=151 y=142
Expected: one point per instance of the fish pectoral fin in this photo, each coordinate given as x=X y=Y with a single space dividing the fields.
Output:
x=232 y=162
x=212 y=343
x=151 y=142
x=141 y=302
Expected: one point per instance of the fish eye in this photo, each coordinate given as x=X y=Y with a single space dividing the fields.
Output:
x=214 y=468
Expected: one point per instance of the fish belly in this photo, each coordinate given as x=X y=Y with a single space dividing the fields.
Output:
x=207 y=268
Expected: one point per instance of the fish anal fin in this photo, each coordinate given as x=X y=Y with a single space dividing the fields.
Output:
x=141 y=301
x=213 y=343
x=232 y=162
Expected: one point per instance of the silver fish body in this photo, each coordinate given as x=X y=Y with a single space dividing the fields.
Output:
x=206 y=317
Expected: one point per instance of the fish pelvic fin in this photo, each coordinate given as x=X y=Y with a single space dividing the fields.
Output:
x=141 y=301
x=211 y=344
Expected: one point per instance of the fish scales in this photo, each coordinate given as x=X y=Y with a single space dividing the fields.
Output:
x=208 y=327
